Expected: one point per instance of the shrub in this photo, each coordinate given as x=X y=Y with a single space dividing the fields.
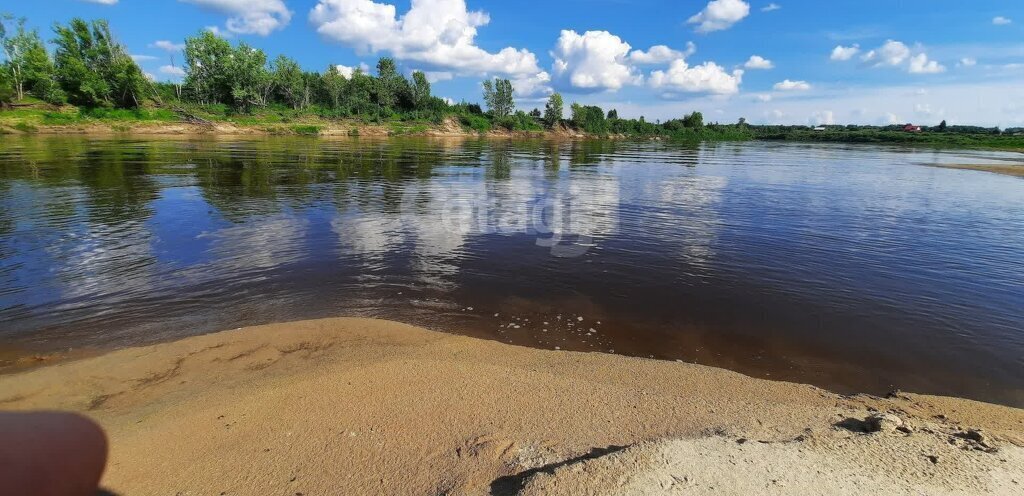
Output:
x=25 y=127
x=475 y=122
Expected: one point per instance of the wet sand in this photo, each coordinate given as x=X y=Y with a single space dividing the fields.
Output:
x=359 y=406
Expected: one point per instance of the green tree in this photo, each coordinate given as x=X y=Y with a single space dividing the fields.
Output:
x=613 y=114
x=6 y=89
x=207 y=60
x=312 y=82
x=589 y=118
x=74 y=55
x=360 y=93
x=390 y=84
x=250 y=83
x=942 y=125
x=333 y=87
x=420 y=90
x=553 y=110
x=290 y=81
x=694 y=120
x=93 y=69
x=28 y=65
x=498 y=97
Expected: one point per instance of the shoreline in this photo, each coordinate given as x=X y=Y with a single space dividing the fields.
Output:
x=309 y=128
x=362 y=405
x=447 y=130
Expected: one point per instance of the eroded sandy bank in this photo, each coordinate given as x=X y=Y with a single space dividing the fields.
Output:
x=357 y=406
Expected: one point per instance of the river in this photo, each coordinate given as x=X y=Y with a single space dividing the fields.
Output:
x=855 y=268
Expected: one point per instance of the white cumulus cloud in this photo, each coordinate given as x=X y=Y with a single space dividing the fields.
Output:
x=844 y=53
x=919 y=64
x=440 y=34
x=661 y=54
x=1001 y=21
x=708 y=77
x=771 y=7
x=593 y=61
x=102 y=2
x=758 y=62
x=347 y=71
x=788 y=85
x=533 y=87
x=719 y=15
x=897 y=54
x=259 y=17
x=892 y=53
x=968 y=62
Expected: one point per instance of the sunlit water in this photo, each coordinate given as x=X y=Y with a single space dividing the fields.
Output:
x=851 y=267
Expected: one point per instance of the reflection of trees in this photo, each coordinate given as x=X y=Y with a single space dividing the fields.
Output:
x=117 y=175
x=499 y=160
x=120 y=180
x=552 y=153
x=590 y=152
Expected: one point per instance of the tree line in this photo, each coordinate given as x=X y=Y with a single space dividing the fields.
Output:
x=84 y=65
x=87 y=67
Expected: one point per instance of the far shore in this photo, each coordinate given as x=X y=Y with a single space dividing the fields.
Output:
x=361 y=406
x=343 y=129
x=321 y=128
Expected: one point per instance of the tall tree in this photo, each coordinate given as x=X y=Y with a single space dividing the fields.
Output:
x=360 y=93
x=290 y=81
x=250 y=82
x=28 y=65
x=207 y=60
x=334 y=87
x=94 y=69
x=553 y=110
x=420 y=90
x=389 y=84
x=498 y=97
x=613 y=114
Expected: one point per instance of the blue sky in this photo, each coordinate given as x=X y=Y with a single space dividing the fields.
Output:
x=865 y=61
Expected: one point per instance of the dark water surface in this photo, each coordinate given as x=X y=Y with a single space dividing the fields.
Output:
x=853 y=268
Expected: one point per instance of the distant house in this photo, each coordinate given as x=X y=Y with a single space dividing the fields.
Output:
x=910 y=128
x=819 y=128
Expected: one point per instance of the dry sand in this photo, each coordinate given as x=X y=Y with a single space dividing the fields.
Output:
x=358 y=406
x=1007 y=169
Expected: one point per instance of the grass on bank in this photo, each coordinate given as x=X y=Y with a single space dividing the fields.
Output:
x=944 y=139
x=31 y=115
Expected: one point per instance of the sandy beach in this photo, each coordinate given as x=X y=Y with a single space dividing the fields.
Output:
x=358 y=406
